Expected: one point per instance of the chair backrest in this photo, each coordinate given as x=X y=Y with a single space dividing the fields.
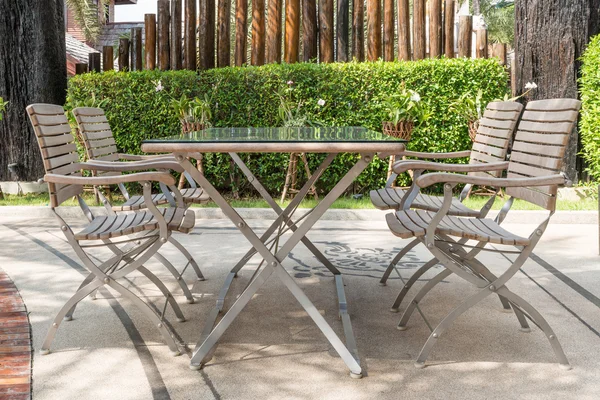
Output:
x=494 y=134
x=58 y=148
x=96 y=134
x=539 y=147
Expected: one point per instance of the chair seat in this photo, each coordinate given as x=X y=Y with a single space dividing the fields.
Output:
x=107 y=227
x=412 y=223
x=390 y=198
x=191 y=195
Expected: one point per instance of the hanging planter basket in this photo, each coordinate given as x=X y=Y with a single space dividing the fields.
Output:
x=187 y=127
x=401 y=130
x=473 y=126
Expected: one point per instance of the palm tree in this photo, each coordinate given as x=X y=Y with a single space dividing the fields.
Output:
x=90 y=15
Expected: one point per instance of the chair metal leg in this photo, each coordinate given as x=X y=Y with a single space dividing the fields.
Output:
x=149 y=312
x=419 y=296
x=180 y=281
x=541 y=322
x=188 y=256
x=76 y=298
x=168 y=296
x=411 y=281
x=447 y=321
x=398 y=257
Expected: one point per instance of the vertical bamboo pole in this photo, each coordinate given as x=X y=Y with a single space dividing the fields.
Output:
x=326 y=53
x=163 y=35
x=176 y=45
x=108 y=58
x=481 y=50
x=123 y=54
x=388 y=30
x=94 y=62
x=241 y=31
x=465 y=34
x=499 y=51
x=223 y=39
x=258 y=33
x=373 y=30
x=342 y=33
x=190 y=35
x=150 y=44
x=136 y=49
x=403 y=30
x=418 y=29
x=206 y=36
x=358 y=27
x=309 y=30
x=292 y=30
x=273 y=40
x=81 y=68
x=449 y=28
x=435 y=28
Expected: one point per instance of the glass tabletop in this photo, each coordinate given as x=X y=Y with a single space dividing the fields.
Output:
x=346 y=134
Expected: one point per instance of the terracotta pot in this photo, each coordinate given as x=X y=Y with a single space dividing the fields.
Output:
x=187 y=126
x=473 y=126
x=402 y=130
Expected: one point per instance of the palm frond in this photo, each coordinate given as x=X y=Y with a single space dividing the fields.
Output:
x=89 y=16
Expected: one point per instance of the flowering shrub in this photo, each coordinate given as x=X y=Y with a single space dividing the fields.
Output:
x=337 y=94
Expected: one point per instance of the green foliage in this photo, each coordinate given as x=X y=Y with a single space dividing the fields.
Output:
x=406 y=106
x=469 y=106
x=354 y=94
x=499 y=17
x=589 y=127
x=3 y=105
x=89 y=16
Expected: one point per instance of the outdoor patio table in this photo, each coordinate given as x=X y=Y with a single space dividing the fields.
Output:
x=332 y=141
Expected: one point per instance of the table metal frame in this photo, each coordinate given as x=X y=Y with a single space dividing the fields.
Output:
x=268 y=244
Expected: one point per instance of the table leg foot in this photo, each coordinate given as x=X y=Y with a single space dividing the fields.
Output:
x=394 y=310
x=382 y=284
x=419 y=365
x=196 y=367
x=356 y=376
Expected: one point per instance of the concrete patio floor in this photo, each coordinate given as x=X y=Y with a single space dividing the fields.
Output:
x=274 y=351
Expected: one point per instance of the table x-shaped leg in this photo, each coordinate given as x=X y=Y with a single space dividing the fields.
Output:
x=273 y=262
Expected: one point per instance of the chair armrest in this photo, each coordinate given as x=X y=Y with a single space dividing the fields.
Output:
x=143 y=165
x=163 y=177
x=437 y=156
x=433 y=178
x=405 y=165
x=135 y=157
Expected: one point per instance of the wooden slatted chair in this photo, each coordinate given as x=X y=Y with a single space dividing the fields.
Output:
x=100 y=147
x=491 y=143
x=533 y=175
x=152 y=227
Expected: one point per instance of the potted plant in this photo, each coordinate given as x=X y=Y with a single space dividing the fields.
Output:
x=471 y=108
x=404 y=111
x=194 y=114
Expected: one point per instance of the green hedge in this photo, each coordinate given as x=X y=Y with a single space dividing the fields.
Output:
x=354 y=94
x=590 y=112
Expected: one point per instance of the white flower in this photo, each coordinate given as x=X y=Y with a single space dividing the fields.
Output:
x=530 y=85
x=159 y=86
x=415 y=97
x=290 y=83
x=321 y=102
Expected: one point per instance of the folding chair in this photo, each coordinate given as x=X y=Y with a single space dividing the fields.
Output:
x=533 y=175
x=101 y=150
x=491 y=143
x=152 y=227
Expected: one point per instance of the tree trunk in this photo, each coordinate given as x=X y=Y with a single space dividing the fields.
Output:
x=33 y=69
x=550 y=36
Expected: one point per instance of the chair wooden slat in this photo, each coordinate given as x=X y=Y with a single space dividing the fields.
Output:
x=492 y=141
x=50 y=141
x=495 y=123
x=543 y=138
x=554 y=105
x=103 y=151
x=546 y=127
x=494 y=132
x=52 y=130
x=541 y=160
x=558 y=116
x=98 y=135
x=491 y=150
x=93 y=119
x=59 y=150
x=51 y=163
